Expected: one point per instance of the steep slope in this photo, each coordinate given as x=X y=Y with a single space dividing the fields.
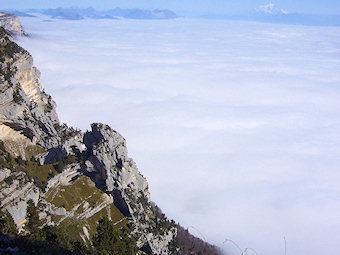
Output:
x=73 y=178
x=27 y=114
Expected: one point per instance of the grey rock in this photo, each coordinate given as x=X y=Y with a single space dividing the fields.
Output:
x=4 y=173
x=65 y=178
x=60 y=211
x=14 y=197
x=118 y=175
x=74 y=144
x=12 y=24
x=27 y=114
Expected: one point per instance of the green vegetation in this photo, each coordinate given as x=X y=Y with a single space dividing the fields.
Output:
x=32 y=216
x=39 y=173
x=8 y=49
x=82 y=196
x=83 y=191
x=65 y=132
x=109 y=240
x=5 y=157
x=56 y=240
x=60 y=165
x=7 y=225
x=17 y=98
x=161 y=222
x=47 y=239
x=52 y=240
x=33 y=150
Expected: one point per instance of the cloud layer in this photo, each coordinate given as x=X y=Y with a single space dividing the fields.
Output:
x=236 y=125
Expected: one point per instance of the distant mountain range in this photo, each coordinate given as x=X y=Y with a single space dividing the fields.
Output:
x=75 y=13
x=268 y=13
x=17 y=13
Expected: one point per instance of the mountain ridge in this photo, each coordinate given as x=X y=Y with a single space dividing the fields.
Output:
x=75 y=13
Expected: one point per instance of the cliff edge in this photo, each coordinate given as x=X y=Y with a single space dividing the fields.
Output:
x=12 y=24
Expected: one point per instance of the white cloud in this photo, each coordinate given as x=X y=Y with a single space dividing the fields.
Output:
x=271 y=9
x=235 y=124
x=267 y=8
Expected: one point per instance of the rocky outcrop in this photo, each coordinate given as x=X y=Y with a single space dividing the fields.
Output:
x=111 y=162
x=15 y=191
x=12 y=24
x=109 y=165
x=4 y=173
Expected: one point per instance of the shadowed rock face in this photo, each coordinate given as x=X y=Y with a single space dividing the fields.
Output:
x=109 y=166
x=110 y=159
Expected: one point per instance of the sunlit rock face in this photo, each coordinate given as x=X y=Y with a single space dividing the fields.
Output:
x=15 y=194
x=12 y=24
x=27 y=114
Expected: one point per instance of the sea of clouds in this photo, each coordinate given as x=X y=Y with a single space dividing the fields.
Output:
x=236 y=125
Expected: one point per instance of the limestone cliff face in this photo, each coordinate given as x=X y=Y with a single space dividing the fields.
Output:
x=12 y=24
x=110 y=166
x=15 y=194
x=27 y=114
x=75 y=177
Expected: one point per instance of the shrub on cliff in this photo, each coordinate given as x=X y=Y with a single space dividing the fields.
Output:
x=32 y=216
x=109 y=240
x=7 y=225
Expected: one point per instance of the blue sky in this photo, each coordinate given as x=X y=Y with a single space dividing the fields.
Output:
x=187 y=6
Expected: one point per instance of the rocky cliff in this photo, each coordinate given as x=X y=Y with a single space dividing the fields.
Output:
x=12 y=24
x=74 y=178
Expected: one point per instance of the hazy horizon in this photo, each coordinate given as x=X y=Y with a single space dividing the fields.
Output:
x=190 y=7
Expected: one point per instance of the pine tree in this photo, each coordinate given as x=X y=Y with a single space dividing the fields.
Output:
x=32 y=216
x=7 y=225
x=108 y=240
